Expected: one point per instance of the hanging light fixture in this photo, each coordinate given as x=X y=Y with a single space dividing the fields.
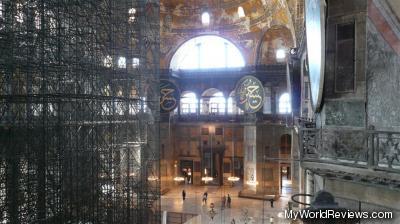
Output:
x=233 y=178
x=206 y=178
x=179 y=179
x=152 y=178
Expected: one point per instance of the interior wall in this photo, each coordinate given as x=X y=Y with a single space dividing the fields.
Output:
x=185 y=145
x=383 y=106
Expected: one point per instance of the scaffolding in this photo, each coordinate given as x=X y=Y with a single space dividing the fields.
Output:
x=79 y=111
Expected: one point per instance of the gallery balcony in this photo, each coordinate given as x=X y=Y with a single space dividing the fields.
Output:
x=376 y=151
x=228 y=118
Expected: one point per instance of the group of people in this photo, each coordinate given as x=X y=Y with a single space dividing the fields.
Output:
x=225 y=201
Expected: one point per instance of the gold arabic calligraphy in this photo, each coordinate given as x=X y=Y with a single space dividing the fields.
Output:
x=250 y=95
x=168 y=101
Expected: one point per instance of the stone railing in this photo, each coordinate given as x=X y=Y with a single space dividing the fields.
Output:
x=360 y=148
x=272 y=118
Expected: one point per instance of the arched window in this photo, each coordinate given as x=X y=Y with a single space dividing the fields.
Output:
x=284 y=104
x=212 y=102
x=232 y=108
x=205 y=18
x=188 y=103
x=217 y=103
x=206 y=52
x=241 y=13
x=122 y=62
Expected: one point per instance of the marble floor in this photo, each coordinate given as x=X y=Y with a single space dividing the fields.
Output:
x=257 y=212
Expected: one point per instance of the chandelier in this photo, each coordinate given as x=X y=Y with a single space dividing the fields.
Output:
x=179 y=179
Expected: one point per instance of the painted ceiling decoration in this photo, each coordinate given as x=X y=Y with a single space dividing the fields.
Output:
x=181 y=20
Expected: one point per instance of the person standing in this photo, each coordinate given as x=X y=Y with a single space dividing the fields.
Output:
x=189 y=176
x=229 y=200
x=205 y=198
x=183 y=194
x=223 y=201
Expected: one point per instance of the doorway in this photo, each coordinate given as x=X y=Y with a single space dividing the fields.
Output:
x=286 y=179
x=212 y=165
x=186 y=169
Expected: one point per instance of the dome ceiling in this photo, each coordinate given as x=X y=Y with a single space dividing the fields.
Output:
x=181 y=20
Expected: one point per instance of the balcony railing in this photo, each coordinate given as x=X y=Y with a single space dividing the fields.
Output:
x=361 y=148
x=215 y=117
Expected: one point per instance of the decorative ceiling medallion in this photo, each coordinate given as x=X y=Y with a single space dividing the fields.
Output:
x=169 y=96
x=249 y=94
x=315 y=33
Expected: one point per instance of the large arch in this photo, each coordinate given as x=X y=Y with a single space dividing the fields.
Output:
x=206 y=52
x=274 y=39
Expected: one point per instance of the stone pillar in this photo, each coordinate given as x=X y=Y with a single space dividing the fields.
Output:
x=273 y=101
x=295 y=164
x=250 y=163
x=198 y=104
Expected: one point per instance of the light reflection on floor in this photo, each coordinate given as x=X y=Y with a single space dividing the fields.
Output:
x=172 y=202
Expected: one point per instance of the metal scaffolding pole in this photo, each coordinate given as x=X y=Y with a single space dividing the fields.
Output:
x=79 y=111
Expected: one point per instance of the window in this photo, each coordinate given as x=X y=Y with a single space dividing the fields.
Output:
x=206 y=52
x=119 y=107
x=217 y=103
x=135 y=62
x=1 y=8
x=241 y=13
x=267 y=108
x=122 y=62
x=20 y=14
x=284 y=104
x=189 y=103
x=280 y=55
x=37 y=20
x=131 y=13
x=205 y=18
x=107 y=62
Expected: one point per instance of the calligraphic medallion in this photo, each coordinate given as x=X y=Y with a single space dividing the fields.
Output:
x=249 y=94
x=315 y=34
x=169 y=96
